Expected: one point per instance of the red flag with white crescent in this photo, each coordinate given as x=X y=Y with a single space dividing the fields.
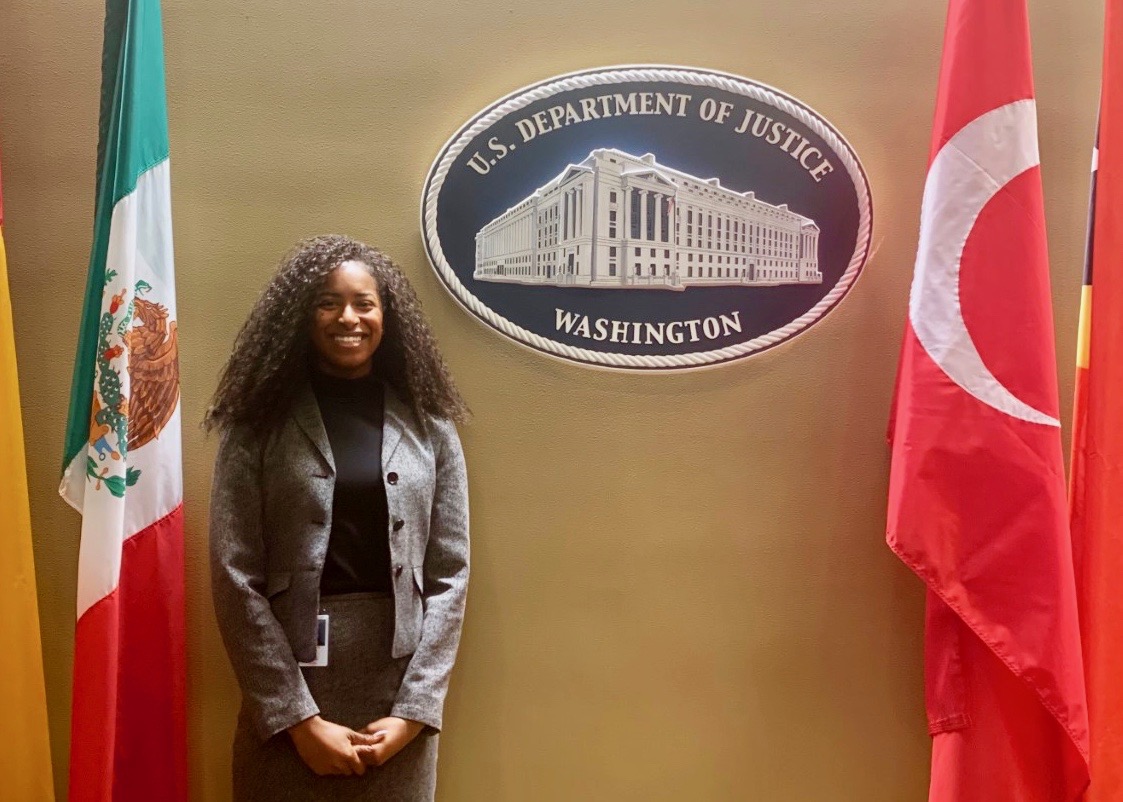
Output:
x=977 y=502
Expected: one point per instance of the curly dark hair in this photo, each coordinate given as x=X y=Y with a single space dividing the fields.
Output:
x=273 y=351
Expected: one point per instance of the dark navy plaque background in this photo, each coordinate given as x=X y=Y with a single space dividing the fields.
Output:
x=741 y=162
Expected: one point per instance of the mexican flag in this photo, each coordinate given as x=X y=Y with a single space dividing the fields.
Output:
x=122 y=468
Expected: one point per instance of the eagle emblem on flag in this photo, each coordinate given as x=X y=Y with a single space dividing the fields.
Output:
x=143 y=335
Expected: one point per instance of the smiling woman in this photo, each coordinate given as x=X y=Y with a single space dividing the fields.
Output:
x=347 y=323
x=339 y=531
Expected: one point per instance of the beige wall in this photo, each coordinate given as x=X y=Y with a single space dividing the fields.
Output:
x=720 y=620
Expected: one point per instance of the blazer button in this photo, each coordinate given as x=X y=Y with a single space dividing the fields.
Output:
x=397 y=570
x=392 y=478
x=398 y=524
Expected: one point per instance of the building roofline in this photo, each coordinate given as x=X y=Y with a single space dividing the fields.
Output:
x=649 y=163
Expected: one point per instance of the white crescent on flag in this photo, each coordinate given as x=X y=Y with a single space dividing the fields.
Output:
x=970 y=169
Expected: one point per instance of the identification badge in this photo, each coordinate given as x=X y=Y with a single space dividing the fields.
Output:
x=321 y=643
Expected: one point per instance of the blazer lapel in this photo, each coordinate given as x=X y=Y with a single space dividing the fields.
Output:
x=395 y=421
x=306 y=413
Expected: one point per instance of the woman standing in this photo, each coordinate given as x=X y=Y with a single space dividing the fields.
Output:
x=339 y=519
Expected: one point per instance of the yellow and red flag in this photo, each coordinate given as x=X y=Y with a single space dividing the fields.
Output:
x=1096 y=490
x=25 y=759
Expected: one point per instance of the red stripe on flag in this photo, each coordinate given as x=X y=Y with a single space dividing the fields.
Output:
x=1097 y=451
x=93 y=716
x=128 y=733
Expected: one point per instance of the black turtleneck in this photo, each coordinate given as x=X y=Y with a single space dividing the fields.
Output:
x=358 y=557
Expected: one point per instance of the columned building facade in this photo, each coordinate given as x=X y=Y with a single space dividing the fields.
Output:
x=617 y=220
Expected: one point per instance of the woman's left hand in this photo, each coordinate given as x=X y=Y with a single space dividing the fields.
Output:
x=397 y=733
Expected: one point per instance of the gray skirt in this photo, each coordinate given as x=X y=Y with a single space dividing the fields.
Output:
x=357 y=686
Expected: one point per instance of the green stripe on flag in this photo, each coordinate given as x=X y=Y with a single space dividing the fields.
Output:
x=132 y=138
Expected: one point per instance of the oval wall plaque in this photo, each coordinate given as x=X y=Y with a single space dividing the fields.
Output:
x=647 y=218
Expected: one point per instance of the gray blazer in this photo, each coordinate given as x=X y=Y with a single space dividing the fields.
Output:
x=270 y=520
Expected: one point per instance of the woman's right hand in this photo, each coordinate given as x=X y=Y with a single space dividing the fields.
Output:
x=329 y=748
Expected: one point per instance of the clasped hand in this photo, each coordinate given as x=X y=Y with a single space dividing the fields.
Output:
x=329 y=748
